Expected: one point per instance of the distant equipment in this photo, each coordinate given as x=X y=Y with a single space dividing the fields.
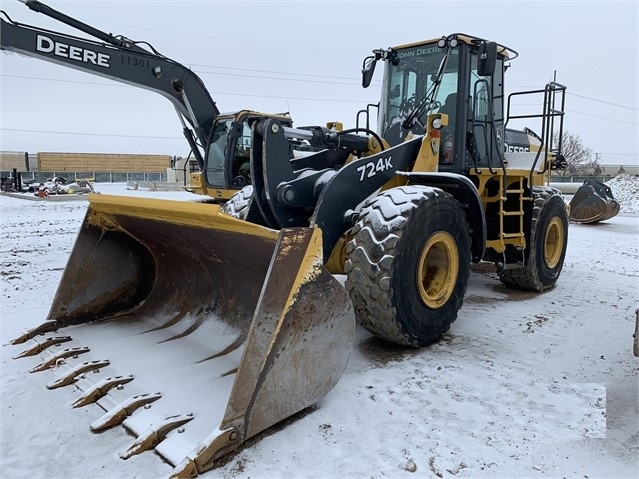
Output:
x=592 y=203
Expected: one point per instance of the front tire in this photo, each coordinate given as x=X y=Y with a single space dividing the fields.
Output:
x=546 y=242
x=408 y=264
x=238 y=205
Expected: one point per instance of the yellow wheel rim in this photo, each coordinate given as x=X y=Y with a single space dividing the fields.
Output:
x=553 y=242
x=437 y=269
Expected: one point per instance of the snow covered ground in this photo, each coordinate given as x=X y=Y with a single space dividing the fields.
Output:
x=523 y=386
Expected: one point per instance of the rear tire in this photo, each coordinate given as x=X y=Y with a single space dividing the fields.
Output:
x=238 y=205
x=408 y=264
x=547 y=240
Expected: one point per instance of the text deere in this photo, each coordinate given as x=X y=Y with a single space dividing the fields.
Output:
x=47 y=45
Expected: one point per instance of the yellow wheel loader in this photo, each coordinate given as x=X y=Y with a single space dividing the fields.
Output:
x=199 y=325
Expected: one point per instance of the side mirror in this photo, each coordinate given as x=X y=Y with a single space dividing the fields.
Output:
x=368 y=68
x=487 y=59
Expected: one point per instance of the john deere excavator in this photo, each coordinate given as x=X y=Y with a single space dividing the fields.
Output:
x=224 y=319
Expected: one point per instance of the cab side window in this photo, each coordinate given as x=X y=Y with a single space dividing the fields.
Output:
x=486 y=102
x=241 y=160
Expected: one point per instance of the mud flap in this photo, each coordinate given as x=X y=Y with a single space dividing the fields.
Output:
x=297 y=348
x=593 y=202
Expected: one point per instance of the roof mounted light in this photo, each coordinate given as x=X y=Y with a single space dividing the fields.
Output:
x=450 y=40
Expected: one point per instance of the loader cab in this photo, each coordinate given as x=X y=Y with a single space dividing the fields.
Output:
x=467 y=86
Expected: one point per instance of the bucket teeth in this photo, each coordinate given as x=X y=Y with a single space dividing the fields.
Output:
x=119 y=413
x=71 y=376
x=47 y=326
x=155 y=434
x=39 y=347
x=60 y=355
x=199 y=461
x=100 y=389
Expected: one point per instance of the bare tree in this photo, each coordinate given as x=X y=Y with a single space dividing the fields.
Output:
x=579 y=158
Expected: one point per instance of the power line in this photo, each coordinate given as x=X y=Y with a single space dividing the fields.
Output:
x=117 y=135
x=275 y=78
x=603 y=118
x=355 y=82
x=358 y=102
x=619 y=154
x=60 y=80
x=603 y=101
x=220 y=37
x=518 y=88
x=253 y=95
x=77 y=133
x=271 y=71
x=249 y=95
x=240 y=39
x=274 y=72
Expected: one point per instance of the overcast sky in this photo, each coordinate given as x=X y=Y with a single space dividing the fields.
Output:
x=305 y=58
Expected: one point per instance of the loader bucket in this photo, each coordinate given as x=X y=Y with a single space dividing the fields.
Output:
x=193 y=329
x=593 y=202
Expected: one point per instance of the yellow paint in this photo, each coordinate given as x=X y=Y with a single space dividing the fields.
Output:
x=335 y=125
x=437 y=269
x=469 y=40
x=197 y=184
x=514 y=179
x=337 y=260
x=186 y=213
x=309 y=269
x=428 y=156
x=553 y=242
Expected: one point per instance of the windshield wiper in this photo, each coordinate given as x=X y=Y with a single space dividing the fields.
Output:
x=427 y=102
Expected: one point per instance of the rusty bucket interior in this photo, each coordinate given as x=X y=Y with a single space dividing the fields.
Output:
x=191 y=328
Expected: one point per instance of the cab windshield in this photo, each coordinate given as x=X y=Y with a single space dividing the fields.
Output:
x=407 y=82
x=228 y=155
x=215 y=159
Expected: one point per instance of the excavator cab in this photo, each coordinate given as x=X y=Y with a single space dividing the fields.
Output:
x=226 y=160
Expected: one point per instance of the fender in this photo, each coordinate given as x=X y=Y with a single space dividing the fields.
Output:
x=465 y=192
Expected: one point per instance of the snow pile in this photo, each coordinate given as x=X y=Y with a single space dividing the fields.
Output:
x=625 y=189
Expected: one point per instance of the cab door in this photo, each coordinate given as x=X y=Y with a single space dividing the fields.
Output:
x=484 y=142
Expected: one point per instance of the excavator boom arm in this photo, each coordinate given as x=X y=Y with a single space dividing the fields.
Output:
x=120 y=59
